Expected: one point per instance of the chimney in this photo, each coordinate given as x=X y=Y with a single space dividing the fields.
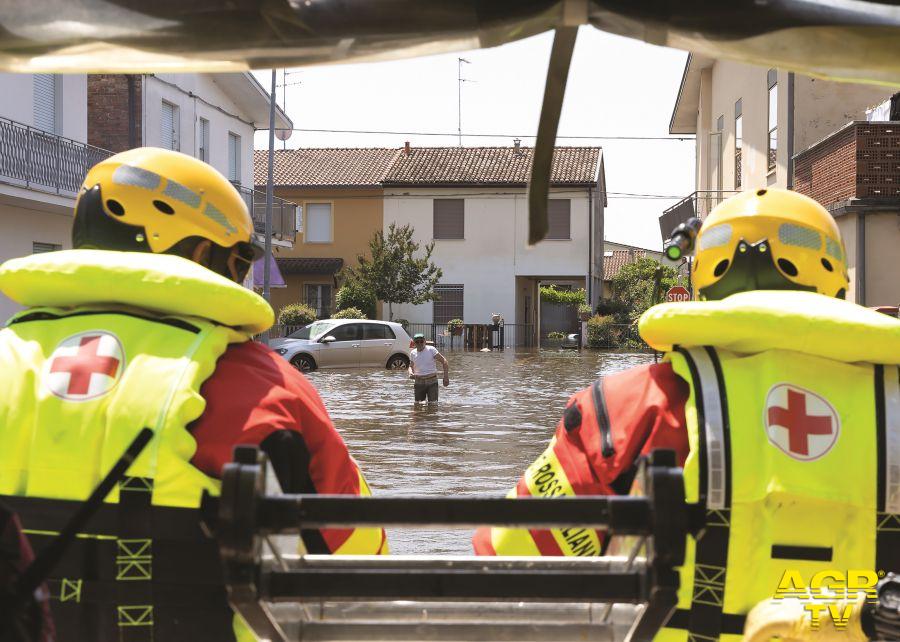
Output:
x=517 y=149
x=406 y=148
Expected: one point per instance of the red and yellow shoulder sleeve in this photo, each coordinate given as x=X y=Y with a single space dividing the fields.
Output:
x=604 y=430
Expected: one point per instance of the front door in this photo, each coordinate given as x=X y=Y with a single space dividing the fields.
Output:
x=344 y=351
x=377 y=344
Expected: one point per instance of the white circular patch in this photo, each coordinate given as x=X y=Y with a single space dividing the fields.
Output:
x=85 y=366
x=800 y=423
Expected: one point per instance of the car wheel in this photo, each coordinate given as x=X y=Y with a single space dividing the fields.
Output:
x=303 y=363
x=398 y=362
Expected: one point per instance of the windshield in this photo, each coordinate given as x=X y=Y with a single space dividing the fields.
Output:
x=312 y=330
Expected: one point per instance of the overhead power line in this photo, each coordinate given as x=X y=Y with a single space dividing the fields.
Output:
x=396 y=192
x=451 y=134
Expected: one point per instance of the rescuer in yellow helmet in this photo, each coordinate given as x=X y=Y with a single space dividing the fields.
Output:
x=145 y=323
x=780 y=399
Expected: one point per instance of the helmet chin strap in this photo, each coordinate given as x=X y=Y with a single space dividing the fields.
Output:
x=751 y=268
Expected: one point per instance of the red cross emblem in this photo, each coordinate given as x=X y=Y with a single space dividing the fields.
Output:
x=799 y=422
x=85 y=366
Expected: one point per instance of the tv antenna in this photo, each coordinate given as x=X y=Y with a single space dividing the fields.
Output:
x=459 y=82
x=284 y=134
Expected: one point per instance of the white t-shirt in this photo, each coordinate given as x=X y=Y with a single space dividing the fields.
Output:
x=423 y=362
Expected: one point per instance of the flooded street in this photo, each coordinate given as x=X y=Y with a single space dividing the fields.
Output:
x=497 y=415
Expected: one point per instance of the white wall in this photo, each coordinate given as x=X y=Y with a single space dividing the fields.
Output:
x=18 y=102
x=494 y=250
x=21 y=226
x=191 y=108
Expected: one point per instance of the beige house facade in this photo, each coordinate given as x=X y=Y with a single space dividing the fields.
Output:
x=757 y=127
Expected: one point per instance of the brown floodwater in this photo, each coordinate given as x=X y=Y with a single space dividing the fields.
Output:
x=494 y=419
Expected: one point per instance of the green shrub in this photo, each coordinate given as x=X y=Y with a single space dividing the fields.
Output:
x=550 y=294
x=454 y=323
x=602 y=332
x=296 y=314
x=403 y=322
x=556 y=336
x=349 y=313
x=355 y=295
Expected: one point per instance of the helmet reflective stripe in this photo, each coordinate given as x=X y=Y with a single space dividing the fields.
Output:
x=136 y=177
x=834 y=249
x=798 y=236
x=181 y=193
x=716 y=237
x=213 y=212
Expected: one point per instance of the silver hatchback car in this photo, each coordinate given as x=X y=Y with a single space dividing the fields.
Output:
x=346 y=343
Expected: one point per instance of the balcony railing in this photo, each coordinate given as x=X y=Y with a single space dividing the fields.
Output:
x=860 y=160
x=43 y=161
x=284 y=214
x=699 y=203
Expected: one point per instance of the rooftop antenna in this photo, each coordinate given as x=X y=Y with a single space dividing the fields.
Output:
x=284 y=134
x=459 y=81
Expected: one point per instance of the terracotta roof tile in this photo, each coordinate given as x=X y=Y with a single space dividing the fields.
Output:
x=424 y=166
x=326 y=167
x=489 y=165
x=618 y=260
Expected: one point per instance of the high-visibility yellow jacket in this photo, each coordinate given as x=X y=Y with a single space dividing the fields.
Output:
x=793 y=420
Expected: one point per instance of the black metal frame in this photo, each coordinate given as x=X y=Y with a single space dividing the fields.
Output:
x=244 y=515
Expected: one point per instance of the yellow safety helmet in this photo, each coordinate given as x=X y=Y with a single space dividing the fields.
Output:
x=769 y=239
x=157 y=200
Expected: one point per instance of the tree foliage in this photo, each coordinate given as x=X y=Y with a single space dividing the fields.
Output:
x=393 y=271
x=354 y=294
x=633 y=286
x=296 y=314
x=550 y=294
x=349 y=313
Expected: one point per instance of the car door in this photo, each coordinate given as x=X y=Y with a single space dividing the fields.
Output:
x=344 y=351
x=377 y=344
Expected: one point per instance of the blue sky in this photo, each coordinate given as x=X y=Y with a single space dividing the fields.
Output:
x=616 y=87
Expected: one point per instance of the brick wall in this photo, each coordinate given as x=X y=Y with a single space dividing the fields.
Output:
x=108 y=122
x=827 y=171
x=861 y=160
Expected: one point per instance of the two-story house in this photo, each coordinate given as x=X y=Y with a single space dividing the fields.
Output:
x=472 y=203
x=211 y=116
x=44 y=156
x=752 y=127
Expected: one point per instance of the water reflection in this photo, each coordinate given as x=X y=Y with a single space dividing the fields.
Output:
x=497 y=415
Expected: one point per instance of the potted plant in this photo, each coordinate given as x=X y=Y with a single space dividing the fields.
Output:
x=555 y=339
x=584 y=312
x=455 y=326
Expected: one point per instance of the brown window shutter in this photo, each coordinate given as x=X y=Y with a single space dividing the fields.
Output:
x=559 y=218
x=449 y=218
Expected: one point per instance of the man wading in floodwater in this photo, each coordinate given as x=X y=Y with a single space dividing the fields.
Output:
x=423 y=369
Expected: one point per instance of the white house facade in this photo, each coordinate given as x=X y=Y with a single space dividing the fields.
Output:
x=472 y=203
x=43 y=157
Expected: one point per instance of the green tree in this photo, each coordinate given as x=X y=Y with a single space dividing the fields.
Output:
x=354 y=294
x=633 y=286
x=393 y=272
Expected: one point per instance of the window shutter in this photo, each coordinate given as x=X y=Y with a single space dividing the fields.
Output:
x=318 y=222
x=37 y=247
x=449 y=304
x=234 y=158
x=168 y=131
x=449 y=218
x=204 y=140
x=559 y=218
x=45 y=102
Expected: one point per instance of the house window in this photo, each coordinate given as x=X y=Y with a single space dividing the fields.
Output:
x=169 y=138
x=37 y=247
x=47 y=94
x=449 y=218
x=318 y=223
x=234 y=158
x=318 y=297
x=449 y=304
x=204 y=140
x=773 y=117
x=738 y=141
x=559 y=218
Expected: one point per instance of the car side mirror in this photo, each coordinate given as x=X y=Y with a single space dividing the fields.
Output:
x=328 y=339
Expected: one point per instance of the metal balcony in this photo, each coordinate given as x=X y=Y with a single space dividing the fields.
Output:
x=42 y=161
x=699 y=204
x=284 y=214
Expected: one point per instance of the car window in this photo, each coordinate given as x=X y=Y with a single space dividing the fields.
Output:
x=302 y=333
x=347 y=332
x=377 y=331
x=319 y=328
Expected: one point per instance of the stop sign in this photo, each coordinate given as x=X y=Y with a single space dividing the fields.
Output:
x=678 y=293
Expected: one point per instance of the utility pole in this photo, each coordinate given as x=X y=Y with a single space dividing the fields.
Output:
x=459 y=81
x=270 y=197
